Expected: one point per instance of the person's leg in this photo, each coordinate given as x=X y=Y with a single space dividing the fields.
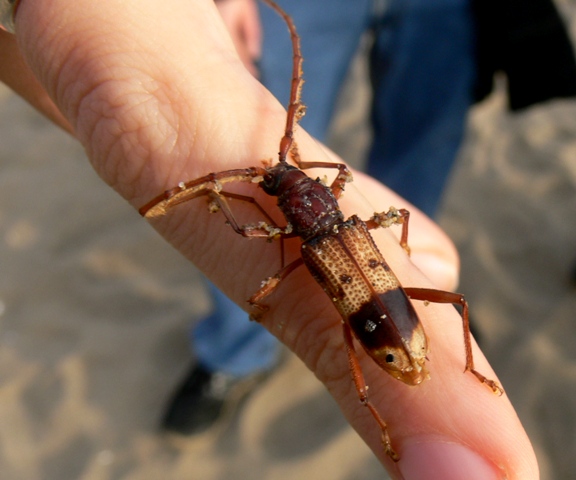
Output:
x=227 y=341
x=423 y=72
x=233 y=356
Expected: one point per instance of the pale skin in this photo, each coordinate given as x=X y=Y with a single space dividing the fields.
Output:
x=157 y=94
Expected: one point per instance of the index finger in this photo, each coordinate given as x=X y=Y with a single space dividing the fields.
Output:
x=151 y=120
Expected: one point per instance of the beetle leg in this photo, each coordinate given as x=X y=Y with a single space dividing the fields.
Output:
x=361 y=388
x=393 y=216
x=269 y=285
x=439 y=296
x=218 y=203
x=186 y=191
x=344 y=174
x=259 y=230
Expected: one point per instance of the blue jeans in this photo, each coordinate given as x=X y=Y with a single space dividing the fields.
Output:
x=422 y=73
x=227 y=341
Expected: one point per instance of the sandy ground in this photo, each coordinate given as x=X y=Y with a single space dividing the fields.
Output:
x=94 y=312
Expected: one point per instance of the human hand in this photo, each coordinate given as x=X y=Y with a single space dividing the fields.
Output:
x=17 y=75
x=158 y=95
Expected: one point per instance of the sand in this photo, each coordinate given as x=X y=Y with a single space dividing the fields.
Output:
x=95 y=309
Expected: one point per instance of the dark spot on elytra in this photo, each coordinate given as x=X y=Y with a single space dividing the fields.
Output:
x=373 y=263
x=344 y=278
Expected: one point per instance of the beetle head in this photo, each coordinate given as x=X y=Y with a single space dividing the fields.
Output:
x=405 y=360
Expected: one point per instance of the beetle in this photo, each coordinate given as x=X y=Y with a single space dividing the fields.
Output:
x=339 y=253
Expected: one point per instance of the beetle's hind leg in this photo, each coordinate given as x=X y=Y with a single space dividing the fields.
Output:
x=361 y=388
x=439 y=296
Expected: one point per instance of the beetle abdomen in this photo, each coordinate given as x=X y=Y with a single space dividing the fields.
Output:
x=349 y=267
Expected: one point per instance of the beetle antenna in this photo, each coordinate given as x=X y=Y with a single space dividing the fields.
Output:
x=296 y=109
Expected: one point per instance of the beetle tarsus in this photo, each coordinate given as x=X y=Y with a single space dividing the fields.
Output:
x=493 y=385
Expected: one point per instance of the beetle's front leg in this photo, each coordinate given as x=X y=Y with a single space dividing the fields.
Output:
x=393 y=216
x=262 y=229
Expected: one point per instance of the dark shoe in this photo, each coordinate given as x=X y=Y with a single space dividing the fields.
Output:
x=204 y=398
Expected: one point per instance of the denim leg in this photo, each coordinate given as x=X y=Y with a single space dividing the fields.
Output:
x=227 y=341
x=330 y=31
x=422 y=71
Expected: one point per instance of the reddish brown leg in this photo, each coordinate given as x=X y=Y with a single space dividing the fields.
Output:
x=250 y=200
x=439 y=296
x=259 y=230
x=392 y=217
x=262 y=229
x=269 y=285
x=186 y=191
x=361 y=388
x=344 y=175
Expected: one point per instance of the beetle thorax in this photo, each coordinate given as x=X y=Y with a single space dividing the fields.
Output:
x=308 y=205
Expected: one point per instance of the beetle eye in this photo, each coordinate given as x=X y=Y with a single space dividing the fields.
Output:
x=389 y=358
x=270 y=183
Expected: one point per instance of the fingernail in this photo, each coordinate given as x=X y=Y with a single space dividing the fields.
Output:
x=436 y=460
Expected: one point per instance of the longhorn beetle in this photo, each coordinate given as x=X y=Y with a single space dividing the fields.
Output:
x=340 y=254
